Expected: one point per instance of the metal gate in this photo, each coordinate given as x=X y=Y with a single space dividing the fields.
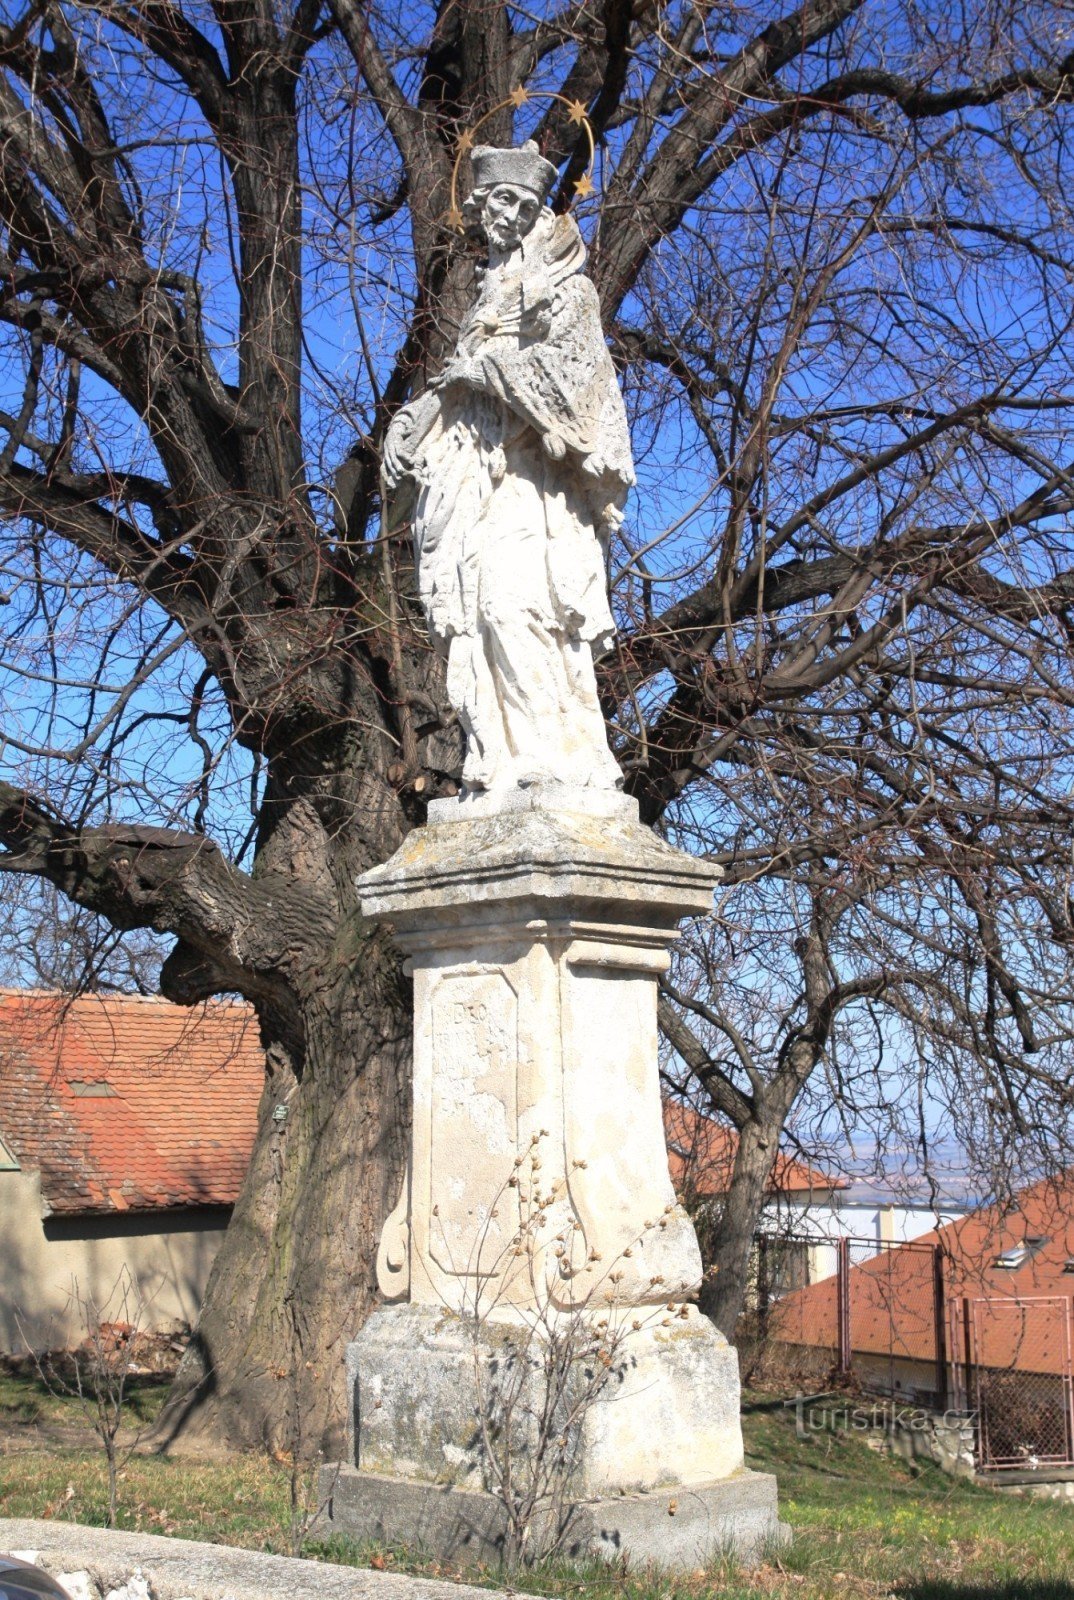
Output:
x=1019 y=1380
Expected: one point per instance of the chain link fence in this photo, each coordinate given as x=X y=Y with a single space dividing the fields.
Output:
x=1015 y=1374
x=878 y=1318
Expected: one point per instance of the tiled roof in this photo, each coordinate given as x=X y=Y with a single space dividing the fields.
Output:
x=128 y=1104
x=701 y=1154
x=890 y=1296
x=131 y=1104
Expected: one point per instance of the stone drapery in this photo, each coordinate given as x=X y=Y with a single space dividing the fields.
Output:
x=522 y=460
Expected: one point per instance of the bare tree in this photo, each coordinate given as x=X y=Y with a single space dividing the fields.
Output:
x=49 y=942
x=832 y=249
x=98 y=1372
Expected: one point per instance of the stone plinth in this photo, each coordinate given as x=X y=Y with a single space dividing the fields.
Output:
x=538 y=1269
x=677 y=1529
x=184 y=1569
x=665 y=1411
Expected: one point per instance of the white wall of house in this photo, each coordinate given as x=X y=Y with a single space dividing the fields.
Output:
x=825 y=1215
x=44 y=1261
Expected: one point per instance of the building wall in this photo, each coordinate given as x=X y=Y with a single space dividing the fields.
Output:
x=42 y=1263
x=824 y=1218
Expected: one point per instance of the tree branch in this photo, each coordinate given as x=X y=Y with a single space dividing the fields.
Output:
x=236 y=933
x=70 y=506
x=635 y=217
x=402 y=119
x=680 y=172
x=725 y=1095
x=173 y=37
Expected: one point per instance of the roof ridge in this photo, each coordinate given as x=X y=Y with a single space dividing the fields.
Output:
x=15 y=992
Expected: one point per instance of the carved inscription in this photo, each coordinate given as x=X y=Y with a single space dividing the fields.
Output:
x=474 y=1125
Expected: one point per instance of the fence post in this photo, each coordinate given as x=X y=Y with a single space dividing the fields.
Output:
x=842 y=1293
x=939 y=1319
x=970 y=1397
x=1068 y=1380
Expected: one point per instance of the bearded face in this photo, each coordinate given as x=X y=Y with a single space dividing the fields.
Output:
x=508 y=215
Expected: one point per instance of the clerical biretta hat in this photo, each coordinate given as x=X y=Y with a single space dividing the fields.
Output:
x=525 y=167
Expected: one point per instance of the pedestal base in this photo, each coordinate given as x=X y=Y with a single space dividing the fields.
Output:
x=678 y=1529
x=541 y=1364
x=619 y=1441
x=648 y=1401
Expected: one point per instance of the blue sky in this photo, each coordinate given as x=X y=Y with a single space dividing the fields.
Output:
x=913 y=326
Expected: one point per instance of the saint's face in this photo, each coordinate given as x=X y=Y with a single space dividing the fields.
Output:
x=508 y=215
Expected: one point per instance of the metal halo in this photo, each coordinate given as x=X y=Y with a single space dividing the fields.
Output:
x=517 y=98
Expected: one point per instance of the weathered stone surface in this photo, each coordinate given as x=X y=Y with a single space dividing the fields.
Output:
x=520 y=457
x=546 y=796
x=79 y=1585
x=183 y=1569
x=527 y=859
x=136 y=1588
x=538 y=1163
x=538 y=1215
x=678 y=1529
x=663 y=1411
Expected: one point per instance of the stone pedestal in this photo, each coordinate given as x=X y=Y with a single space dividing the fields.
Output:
x=537 y=1268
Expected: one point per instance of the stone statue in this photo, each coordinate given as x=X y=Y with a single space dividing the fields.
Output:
x=521 y=459
x=537 y=1237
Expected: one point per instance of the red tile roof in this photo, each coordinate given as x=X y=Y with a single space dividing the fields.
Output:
x=701 y=1154
x=128 y=1104
x=173 y=1117
x=890 y=1296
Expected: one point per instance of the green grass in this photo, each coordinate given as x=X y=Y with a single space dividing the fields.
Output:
x=241 y=1502
x=871 y=1523
x=26 y=1398
x=865 y=1524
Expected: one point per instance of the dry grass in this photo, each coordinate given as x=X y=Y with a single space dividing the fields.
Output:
x=866 y=1525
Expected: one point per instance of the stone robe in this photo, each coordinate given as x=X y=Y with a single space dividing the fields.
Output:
x=521 y=475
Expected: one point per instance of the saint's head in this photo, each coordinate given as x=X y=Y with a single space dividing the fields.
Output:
x=510 y=187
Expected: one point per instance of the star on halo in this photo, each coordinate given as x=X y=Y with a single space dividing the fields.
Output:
x=518 y=97
x=466 y=142
x=584 y=187
x=454 y=219
x=576 y=111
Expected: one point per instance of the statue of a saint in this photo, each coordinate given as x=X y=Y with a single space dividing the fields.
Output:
x=521 y=458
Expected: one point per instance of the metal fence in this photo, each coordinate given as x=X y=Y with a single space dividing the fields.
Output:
x=830 y=1309
x=878 y=1317
x=1014 y=1373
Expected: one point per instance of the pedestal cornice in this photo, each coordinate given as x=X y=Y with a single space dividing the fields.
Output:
x=538 y=862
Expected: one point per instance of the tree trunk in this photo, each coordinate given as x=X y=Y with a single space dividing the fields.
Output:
x=296 y=1269
x=724 y=1289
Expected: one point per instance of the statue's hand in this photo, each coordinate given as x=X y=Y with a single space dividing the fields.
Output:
x=407 y=433
x=398 y=454
x=460 y=369
x=554 y=446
